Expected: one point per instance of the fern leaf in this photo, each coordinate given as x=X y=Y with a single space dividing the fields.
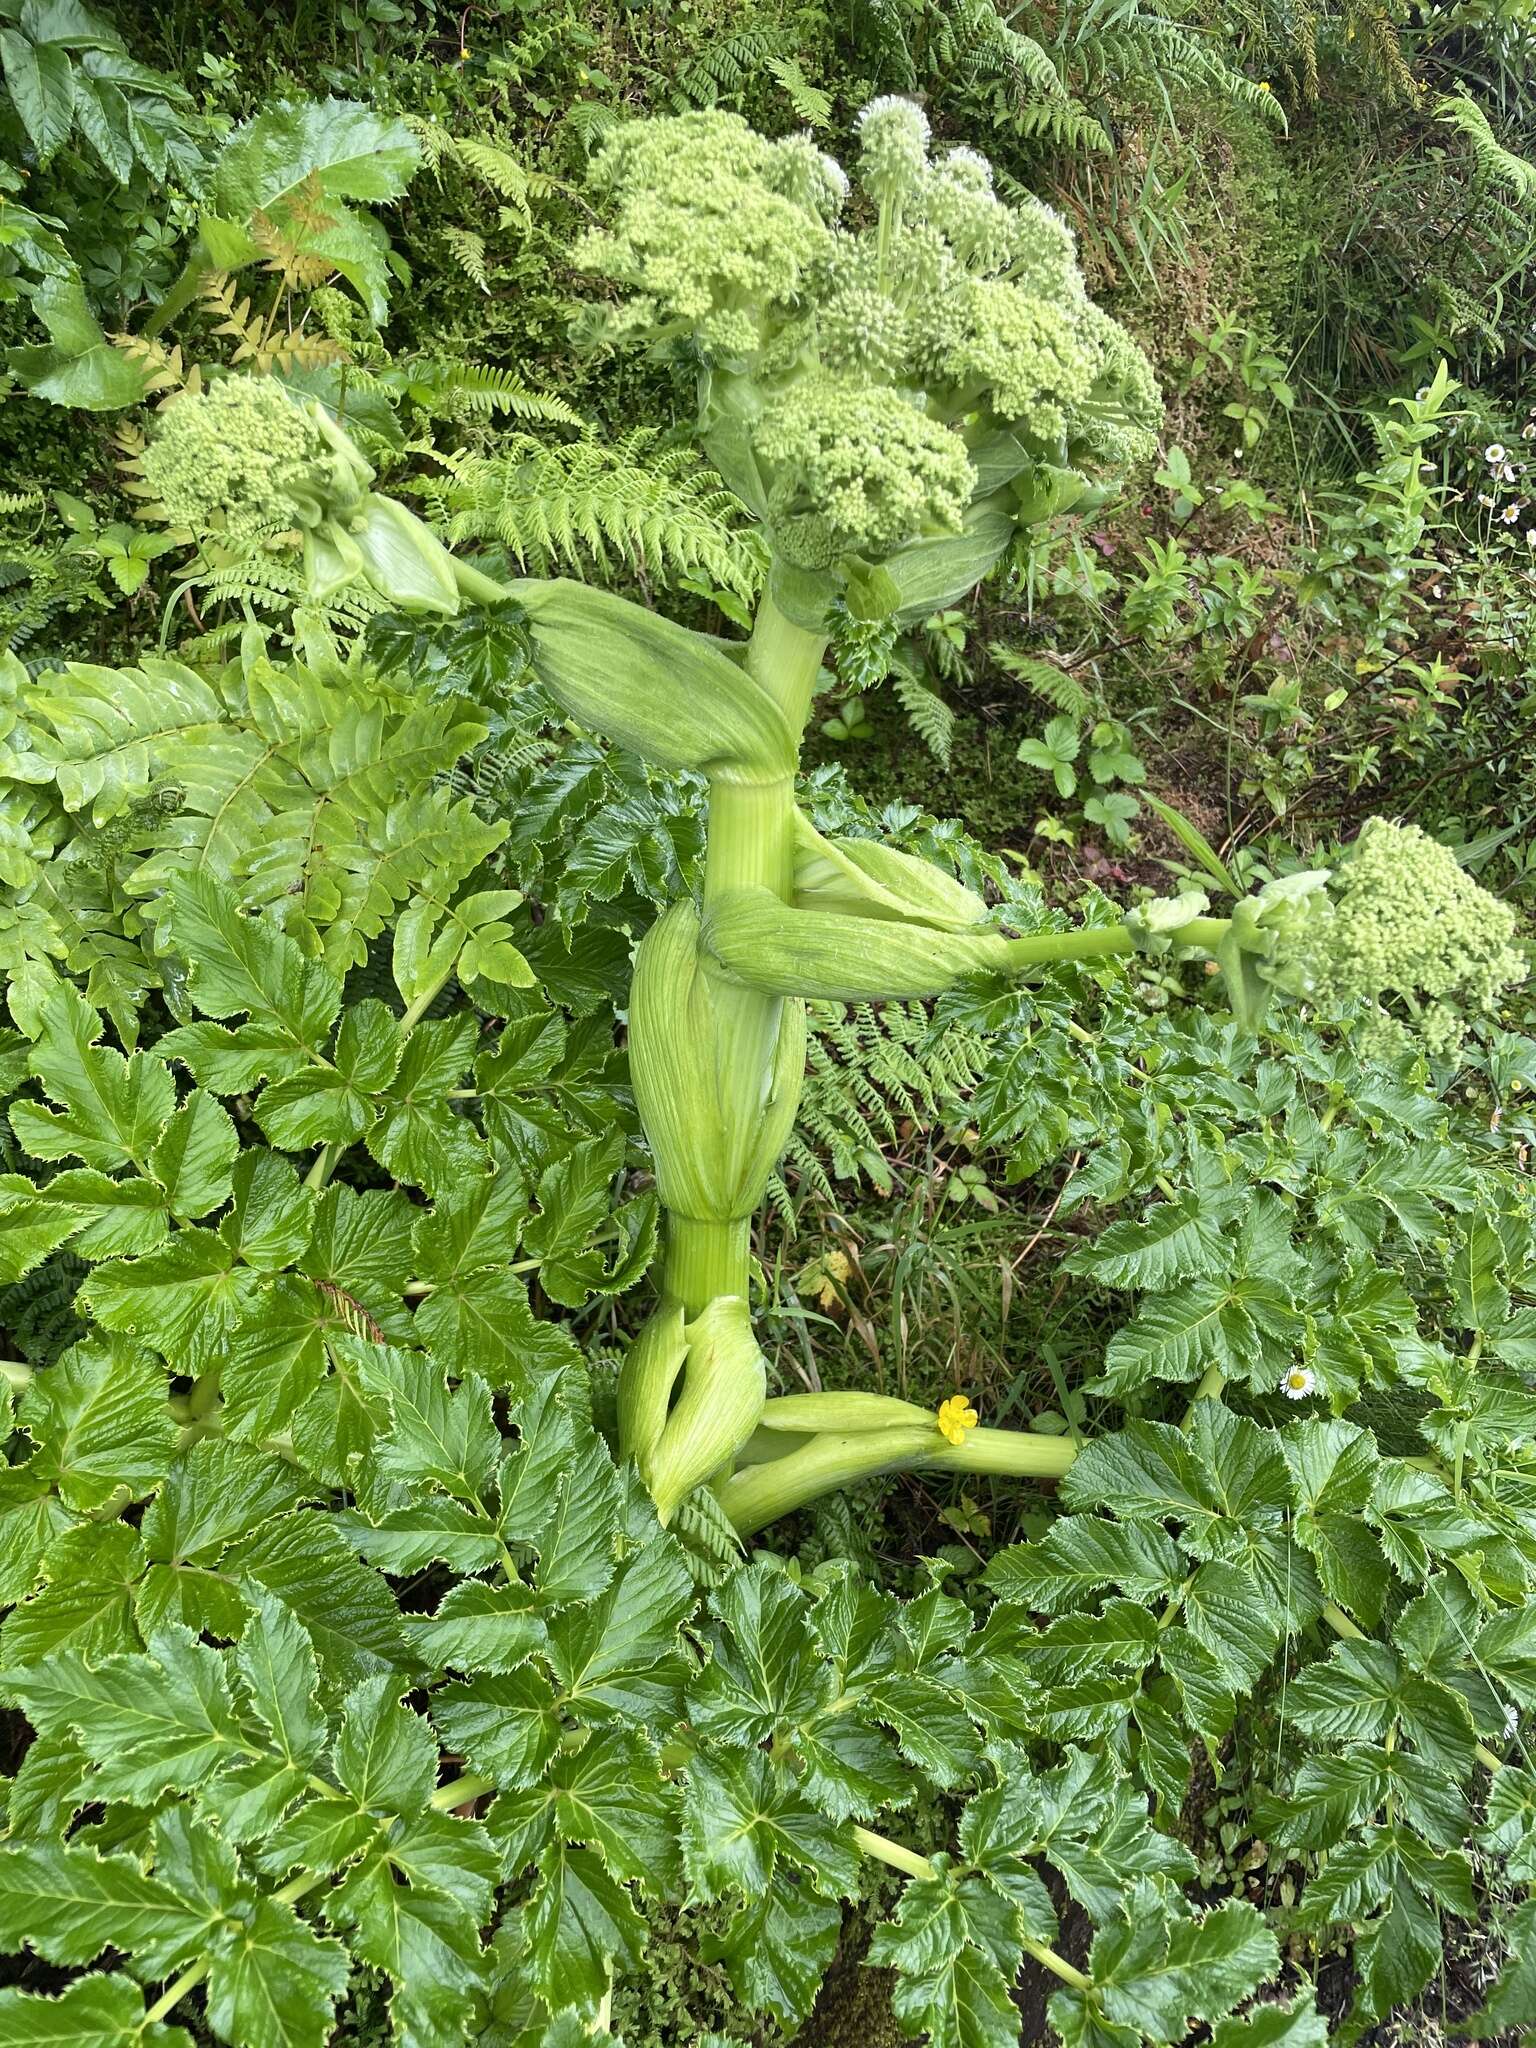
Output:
x=932 y=719
x=469 y=251
x=503 y=173
x=1494 y=161
x=593 y=502
x=811 y=104
x=1063 y=692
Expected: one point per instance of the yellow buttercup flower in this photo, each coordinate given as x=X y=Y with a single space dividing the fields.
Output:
x=956 y=1416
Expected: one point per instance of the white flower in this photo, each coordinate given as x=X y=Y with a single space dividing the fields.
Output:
x=1528 y=431
x=1530 y=536
x=1485 y=501
x=1511 y=1723
x=1511 y=514
x=970 y=166
x=1495 y=453
x=1298 y=1383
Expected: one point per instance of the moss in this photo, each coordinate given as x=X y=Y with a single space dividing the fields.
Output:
x=677 y=1995
x=854 y=2009
x=996 y=798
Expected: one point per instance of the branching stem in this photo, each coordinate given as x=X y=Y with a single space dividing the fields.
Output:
x=457 y=1792
x=912 y=1864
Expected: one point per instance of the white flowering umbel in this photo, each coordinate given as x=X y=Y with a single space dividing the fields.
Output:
x=866 y=364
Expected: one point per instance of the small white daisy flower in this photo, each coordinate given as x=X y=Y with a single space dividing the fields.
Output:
x=1530 y=536
x=1495 y=452
x=1511 y=514
x=1485 y=501
x=1528 y=431
x=1298 y=1383
x=1511 y=1723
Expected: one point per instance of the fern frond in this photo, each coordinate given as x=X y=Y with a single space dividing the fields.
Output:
x=879 y=35
x=590 y=122
x=469 y=252
x=811 y=104
x=1063 y=692
x=483 y=159
x=479 y=388
x=723 y=68
x=1461 y=112
x=931 y=717
x=438 y=146
x=264 y=580
x=711 y=1547
x=868 y=1071
x=503 y=173
x=592 y=502
x=1063 y=125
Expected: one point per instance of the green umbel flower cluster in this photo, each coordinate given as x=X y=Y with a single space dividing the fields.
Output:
x=243 y=458
x=247 y=461
x=828 y=323
x=859 y=470
x=1398 y=926
x=1405 y=919
x=715 y=227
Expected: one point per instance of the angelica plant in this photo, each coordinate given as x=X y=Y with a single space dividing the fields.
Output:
x=893 y=397
x=301 y=1773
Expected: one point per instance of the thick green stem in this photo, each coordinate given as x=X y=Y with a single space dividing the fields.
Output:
x=785 y=660
x=479 y=588
x=751 y=845
x=706 y=1259
x=759 y=1494
x=751 y=839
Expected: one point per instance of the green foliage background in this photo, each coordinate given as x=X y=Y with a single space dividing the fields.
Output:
x=1308 y=613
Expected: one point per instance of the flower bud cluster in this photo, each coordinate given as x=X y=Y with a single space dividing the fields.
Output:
x=861 y=469
x=1400 y=918
x=714 y=228
x=828 y=330
x=243 y=458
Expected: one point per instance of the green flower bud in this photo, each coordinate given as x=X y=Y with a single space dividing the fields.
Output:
x=810 y=1414
x=724 y=1382
x=652 y=685
x=403 y=559
x=247 y=458
x=826 y=957
x=646 y=1380
x=1153 y=924
x=863 y=877
x=893 y=147
x=716 y=1073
